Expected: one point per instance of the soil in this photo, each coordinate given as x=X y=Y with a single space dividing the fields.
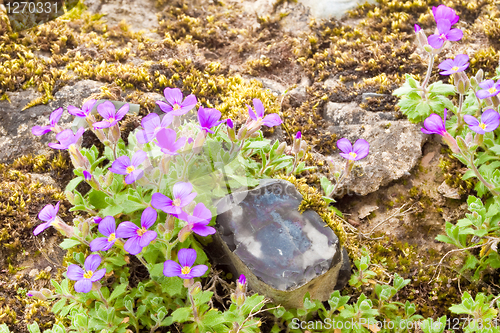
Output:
x=206 y=49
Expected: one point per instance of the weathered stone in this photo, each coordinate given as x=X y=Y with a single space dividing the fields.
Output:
x=16 y=138
x=395 y=146
x=283 y=253
x=331 y=8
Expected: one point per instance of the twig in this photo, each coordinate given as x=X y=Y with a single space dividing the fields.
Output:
x=256 y=313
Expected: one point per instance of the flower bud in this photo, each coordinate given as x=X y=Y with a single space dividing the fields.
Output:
x=96 y=286
x=460 y=85
x=479 y=76
x=281 y=148
x=428 y=48
x=78 y=160
x=109 y=179
x=468 y=139
x=84 y=228
x=184 y=233
x=198 y=142
x=422 y=39
x=36 y=294
x=114 y=133
x=63 y=228
x=46 y=292
x=70 y=196
x=242 y=133
x=195 y=289
x=474 y=83
x=165 y=164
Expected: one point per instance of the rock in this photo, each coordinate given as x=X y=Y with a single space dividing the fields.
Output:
x=16 y=138
x=366 y=96
x=366 y=210
x=448 y=191
x=331 y=8
x=395 y=146
x=282 y=253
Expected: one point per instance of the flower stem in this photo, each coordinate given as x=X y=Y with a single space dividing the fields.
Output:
x=480 y=177
x=103 y=299
x=459 y=113
x=428 y=75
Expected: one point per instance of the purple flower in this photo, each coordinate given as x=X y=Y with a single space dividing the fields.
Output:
x=186 y=257
x=354 y=153
x=270 y=120
x=152 y=125
x=298 y=135
x=47 y=214
x=444 y=33
x=54 y=118
x=417 y=28
x=138 y=238
x=197 y=223
x=97 y=219
x=85 y=111
x=242 y=280
x=109 y=114
x=208 y=118
x=490 y=119
x=86 y=277
x=87 y=175
x=182 y=197
x=175 y=105
x=107 y=227
x=166 y=141
x=434 y=124
x=489 y=89
x=124 y=166
x=66 y=138
x=457 y=65
x=229 y=123
x=445 y=13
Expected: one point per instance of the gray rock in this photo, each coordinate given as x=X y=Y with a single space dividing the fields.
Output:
x=395 y=146
x=16 y=138
x=282 y=253
x=331 y=8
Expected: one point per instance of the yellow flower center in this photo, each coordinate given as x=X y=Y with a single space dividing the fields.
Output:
x=185 y=270
x=176 y=202
x=443 y=36
x=88 y=274
x=111 y=237
x=492 y=90
x=176 y=106
x=455 y=69
x=353 y=154
x=130 y=169
x=483 y=126
x=141 y=231
x=110 y=120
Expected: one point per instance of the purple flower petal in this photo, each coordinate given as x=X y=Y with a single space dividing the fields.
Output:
x=92 y=262
x=251 y=113
x=272 y=120
x=202 y=229
x=148 y=217
x=417 y=28
x=161 y=201
x=49 y=212
x=75 y=272
x=132 y=245
x=120 y=165
x=242 y=280
x=444 y=12
x=107 y=226
x=147 y=238
x=434 y=125
x=138 y=158
x=482 y=94
x=107 y=110
x=471 y=121
x=41 y=228
x=202 y=212
x=173 y=95
x=229 y=123
x=198 y=270
x=259 y=107
x=83 y=286
x=455 y=35
x=55 y=116
x=344 y=145
x=73 y=110
x=122 y=112
x=165 y=107
x=171 y=268
x=443 y=26
x=40 y=130
x=182 y=190
x=361 y=149
x=134 y=175
x=186 y=257
x=126 y=230
x=101 y=244
x=435 y=41
x=98 y=275
x=491 y=118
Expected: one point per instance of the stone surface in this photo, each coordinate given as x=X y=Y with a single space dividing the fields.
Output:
x=16 y=138
x=283 y=253
x=395 y=146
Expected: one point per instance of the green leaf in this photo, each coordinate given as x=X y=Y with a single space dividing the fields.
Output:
x=182 y=315
x=442 y=88
x=112 y=210
x=119 y=291
x=69 y=243
x=59 y=305
x=73 y=183
x=97 y=199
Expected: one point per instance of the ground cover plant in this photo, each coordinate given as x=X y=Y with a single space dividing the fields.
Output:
x=476 y=235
